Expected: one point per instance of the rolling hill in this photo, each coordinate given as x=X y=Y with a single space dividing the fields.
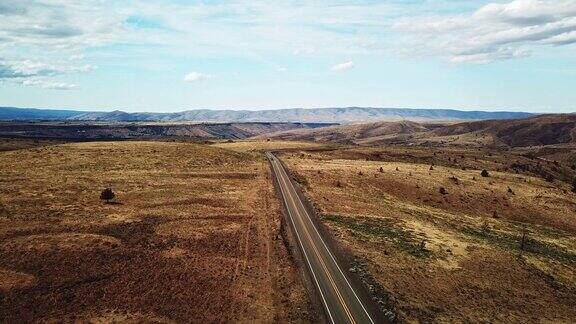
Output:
x=72 y=130
x=534 y=131
x=355 y=133
x=317 y=115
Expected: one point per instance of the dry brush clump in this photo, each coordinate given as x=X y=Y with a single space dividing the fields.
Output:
x=107 y=195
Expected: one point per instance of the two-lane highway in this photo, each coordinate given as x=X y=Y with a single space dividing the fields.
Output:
x=340 y=301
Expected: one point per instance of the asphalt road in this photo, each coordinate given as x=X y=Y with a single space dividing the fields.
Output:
x=340 y=301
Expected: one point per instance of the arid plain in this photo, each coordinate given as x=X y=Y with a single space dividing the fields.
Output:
x=193 y=235
x=434 y=240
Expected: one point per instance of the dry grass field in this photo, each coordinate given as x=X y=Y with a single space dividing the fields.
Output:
x=17 y=144
x=194 y=236
x=264 y=145
x=453 y=254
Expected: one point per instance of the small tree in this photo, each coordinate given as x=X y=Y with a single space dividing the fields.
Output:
x=107 y=194
x=485 y=173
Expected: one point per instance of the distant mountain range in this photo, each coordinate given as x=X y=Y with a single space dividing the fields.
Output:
x=315 y=115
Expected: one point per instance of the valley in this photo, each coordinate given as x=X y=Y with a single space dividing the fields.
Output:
x=433 y=222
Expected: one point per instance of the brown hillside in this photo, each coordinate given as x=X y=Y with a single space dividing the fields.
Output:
x=535 y=131
x=356 y=133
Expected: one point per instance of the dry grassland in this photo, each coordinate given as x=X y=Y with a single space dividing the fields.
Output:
x=263 y=145
x=18 y=144
x=194 y=236
x=452 y=257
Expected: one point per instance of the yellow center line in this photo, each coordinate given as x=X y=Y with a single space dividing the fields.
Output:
x=275 y=166
x=335 y=287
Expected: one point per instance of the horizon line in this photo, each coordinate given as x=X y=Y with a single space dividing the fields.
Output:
x=500 y=110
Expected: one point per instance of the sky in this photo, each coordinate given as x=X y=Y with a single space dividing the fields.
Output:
x=174 y=55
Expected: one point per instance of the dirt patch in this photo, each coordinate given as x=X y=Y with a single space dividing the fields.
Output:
x=12 y=279
x=61 y=241
x=112 y=317
x=198 y=229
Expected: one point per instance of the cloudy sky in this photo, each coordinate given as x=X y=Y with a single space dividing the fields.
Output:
x=171 y=55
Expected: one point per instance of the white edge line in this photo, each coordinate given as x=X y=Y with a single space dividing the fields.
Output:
x=333 y=259
x=302 y=248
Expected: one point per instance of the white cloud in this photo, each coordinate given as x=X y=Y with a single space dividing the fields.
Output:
x=496 y=31
x=61 y=25
x=343 y=66
x=55 y=32
x=43 y=38
x=28 y=68
x=31 y=73
x=76 y=57
x=195 y=77
x=48 y=84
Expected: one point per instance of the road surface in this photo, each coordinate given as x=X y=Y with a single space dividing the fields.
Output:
x=340 y=301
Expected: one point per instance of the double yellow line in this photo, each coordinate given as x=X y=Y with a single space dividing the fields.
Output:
x=283 y=175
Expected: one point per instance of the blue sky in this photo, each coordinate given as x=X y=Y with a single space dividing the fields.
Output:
x=173 y=55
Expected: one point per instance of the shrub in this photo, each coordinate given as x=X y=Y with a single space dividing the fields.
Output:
x=422 y=245
x=485 y=225
x=524 y=240
x=381 y=170
x=431 y=167
x=443 y=191
x=574 y=186
x=485 y=173
x=510 y=191
x=107 y=194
